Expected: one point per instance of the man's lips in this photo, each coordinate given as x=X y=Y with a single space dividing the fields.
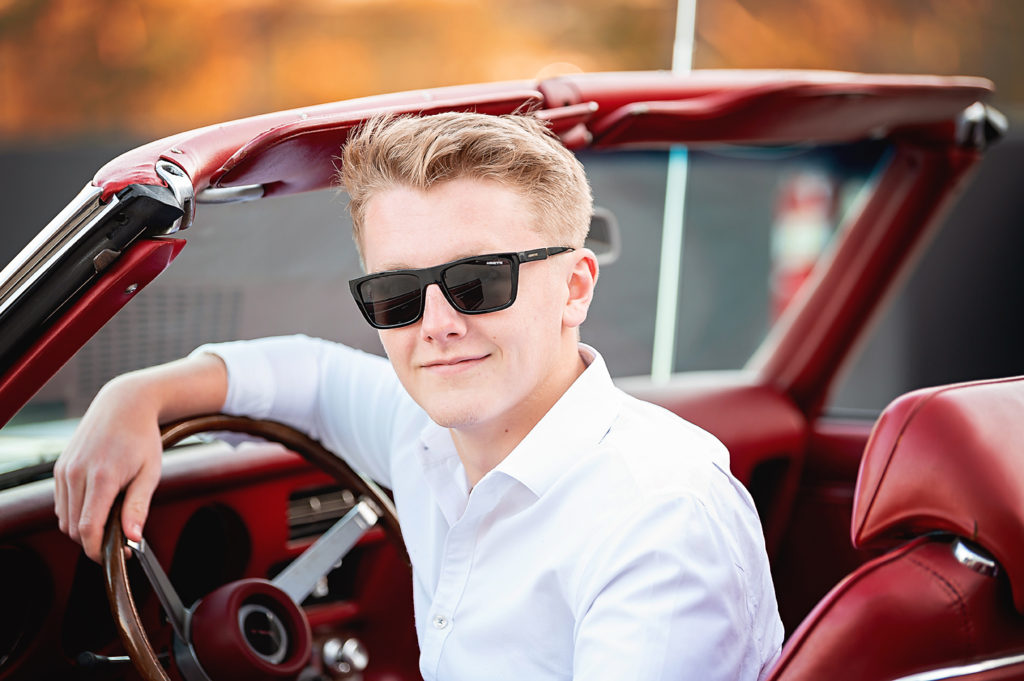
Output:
x=453 y=363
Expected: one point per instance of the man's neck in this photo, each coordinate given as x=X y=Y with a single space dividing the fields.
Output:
x=482 y=448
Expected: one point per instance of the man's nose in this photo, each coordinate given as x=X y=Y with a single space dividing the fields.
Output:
x=440 y=321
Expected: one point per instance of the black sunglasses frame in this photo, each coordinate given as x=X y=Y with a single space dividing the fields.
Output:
x=434 y=275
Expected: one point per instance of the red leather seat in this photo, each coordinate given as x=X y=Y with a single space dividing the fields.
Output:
x=942 y=479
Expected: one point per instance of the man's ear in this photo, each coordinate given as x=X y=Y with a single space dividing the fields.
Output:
x=581 y=282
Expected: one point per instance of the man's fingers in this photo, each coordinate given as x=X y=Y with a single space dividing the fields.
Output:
x=137 y=497
x=99 y=496
x=74 y=496
x=60 y=498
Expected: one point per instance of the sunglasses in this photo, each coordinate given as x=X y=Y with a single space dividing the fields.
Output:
x=477 y=285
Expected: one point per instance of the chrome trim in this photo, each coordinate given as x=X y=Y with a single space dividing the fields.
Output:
x=45 y=250
x=300 y=577
x=176 y=612
x=181 y=186
x=964 y=670
x=980 y=125
x=345 y=658
x=185 y=656
x=310 y=512
x=975 y=558
x=276 y=627
x=217 y=195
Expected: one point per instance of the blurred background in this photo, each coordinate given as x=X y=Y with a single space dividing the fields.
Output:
x=137 y=69
x=84 y=80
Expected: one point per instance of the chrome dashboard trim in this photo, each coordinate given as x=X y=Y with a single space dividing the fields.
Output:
x=299 y=579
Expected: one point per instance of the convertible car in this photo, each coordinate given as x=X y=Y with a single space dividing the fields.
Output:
x=752 y=227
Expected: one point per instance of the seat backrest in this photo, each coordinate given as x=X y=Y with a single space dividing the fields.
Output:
x=942 y=479
x=949 y=459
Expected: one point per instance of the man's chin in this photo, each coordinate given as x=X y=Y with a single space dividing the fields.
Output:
x=447 y=404
x=453 y=418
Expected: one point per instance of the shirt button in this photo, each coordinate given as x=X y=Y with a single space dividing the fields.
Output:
x=440 y=621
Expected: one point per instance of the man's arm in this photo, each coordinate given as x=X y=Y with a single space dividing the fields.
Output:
x=117 y=444
x=349 y=400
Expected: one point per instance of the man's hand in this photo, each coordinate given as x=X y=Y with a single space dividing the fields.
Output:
x=117 y=445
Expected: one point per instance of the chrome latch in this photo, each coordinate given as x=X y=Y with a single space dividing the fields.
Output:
x=183 y=191
x=975 y=558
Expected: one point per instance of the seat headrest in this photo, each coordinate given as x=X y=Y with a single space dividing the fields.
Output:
x=949 y=458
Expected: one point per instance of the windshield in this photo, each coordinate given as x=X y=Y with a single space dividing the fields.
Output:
x=755 y=222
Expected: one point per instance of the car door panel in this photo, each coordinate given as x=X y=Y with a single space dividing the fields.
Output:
x=815 y=550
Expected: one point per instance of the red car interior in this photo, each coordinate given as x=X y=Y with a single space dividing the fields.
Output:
x=219 y=515
x=907 y=487
x=936 y=460
x=944 y=468
x=220 y=645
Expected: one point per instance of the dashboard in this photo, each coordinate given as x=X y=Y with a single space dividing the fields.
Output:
x=221 y=513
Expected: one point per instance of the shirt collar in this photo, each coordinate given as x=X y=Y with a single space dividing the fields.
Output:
x=578 y=421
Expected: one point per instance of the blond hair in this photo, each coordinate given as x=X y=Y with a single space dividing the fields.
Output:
x=517 y=151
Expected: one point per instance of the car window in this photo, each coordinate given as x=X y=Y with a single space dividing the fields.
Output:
x=756 y=221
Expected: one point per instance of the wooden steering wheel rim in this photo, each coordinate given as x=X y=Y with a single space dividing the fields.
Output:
x=122 y=605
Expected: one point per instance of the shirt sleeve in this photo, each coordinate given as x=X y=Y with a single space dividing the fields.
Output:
x=347 y=399
x=663 y=598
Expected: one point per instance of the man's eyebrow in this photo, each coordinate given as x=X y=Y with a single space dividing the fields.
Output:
x=469 y=253
x=391 y=267
x=396 y=266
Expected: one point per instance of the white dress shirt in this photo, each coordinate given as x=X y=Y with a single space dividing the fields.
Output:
x=611 y=543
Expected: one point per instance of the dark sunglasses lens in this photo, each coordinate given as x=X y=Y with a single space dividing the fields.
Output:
x=480 y=285
x=391 y=299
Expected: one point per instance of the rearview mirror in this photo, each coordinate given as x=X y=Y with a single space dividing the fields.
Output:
x=604 y=238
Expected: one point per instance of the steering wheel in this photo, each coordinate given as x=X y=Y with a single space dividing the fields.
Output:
x=250 y=628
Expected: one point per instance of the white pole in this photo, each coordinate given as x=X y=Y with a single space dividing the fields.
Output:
x=686 y=34
x=665 y=320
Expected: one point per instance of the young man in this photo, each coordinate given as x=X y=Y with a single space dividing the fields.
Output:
x=558 y=529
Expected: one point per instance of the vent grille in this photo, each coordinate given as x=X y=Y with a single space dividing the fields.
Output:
x=311 y=512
